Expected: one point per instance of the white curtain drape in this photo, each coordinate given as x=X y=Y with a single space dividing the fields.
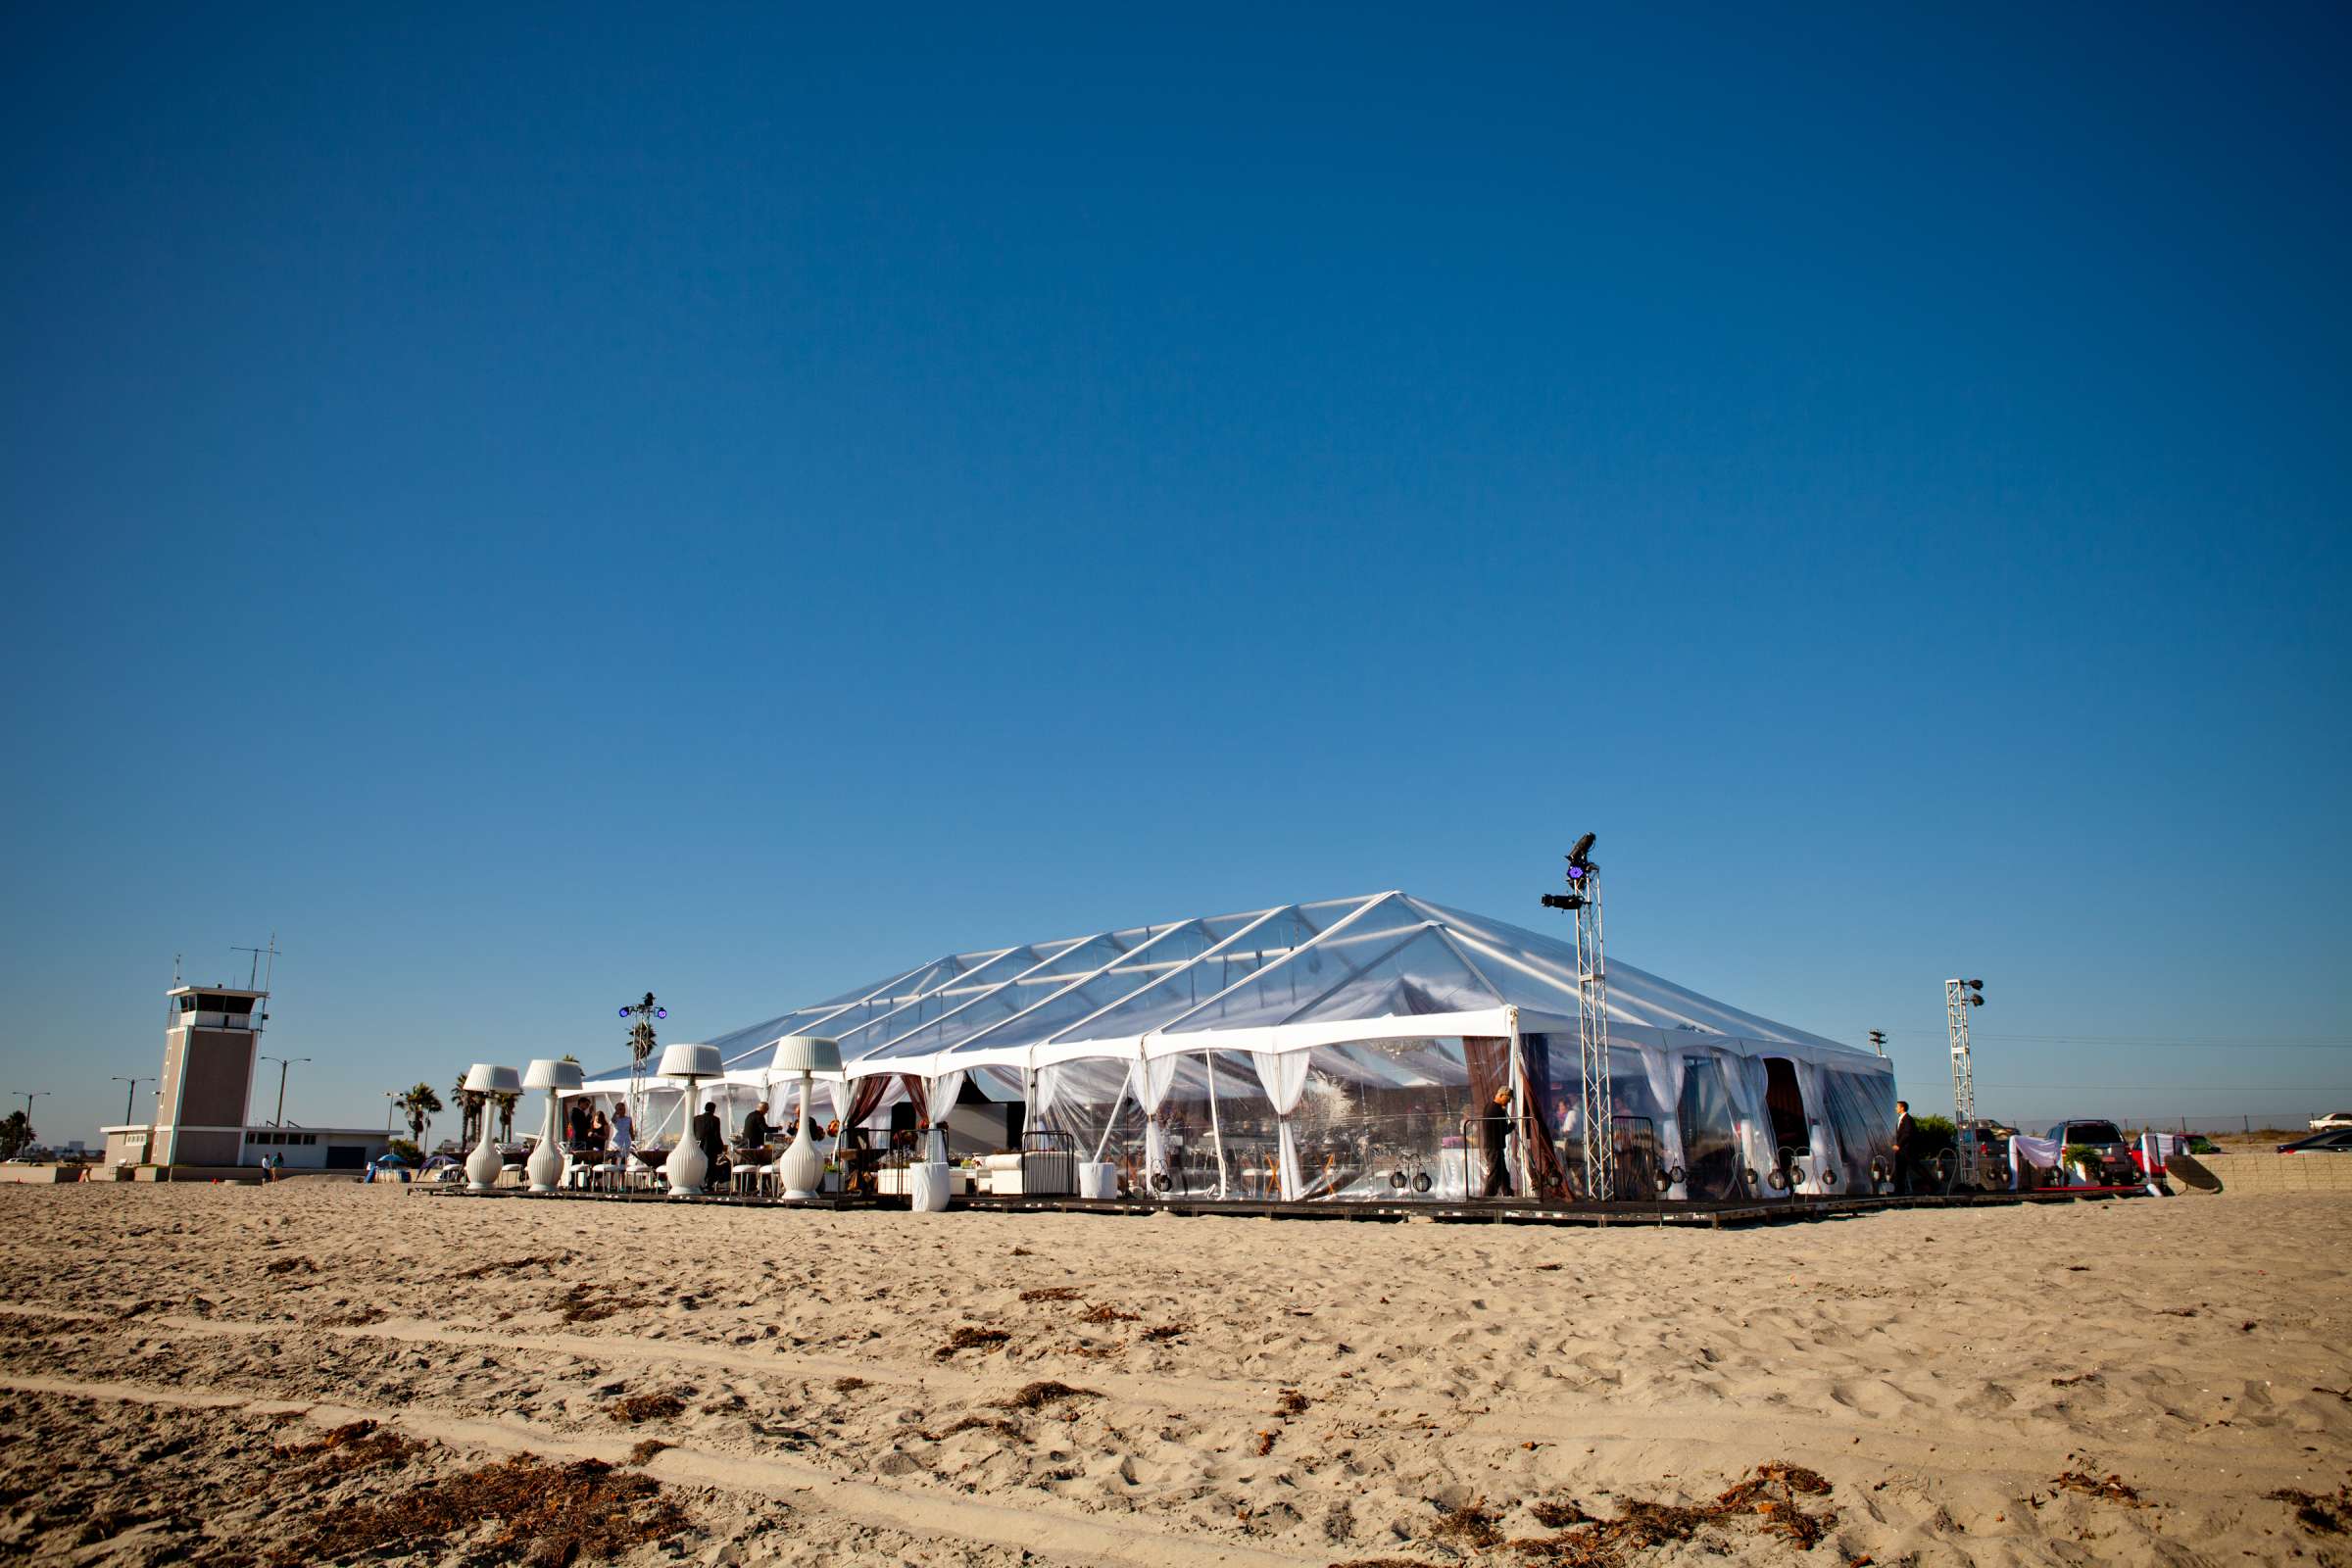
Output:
x=784 y=1106
x=1283 y=1074
x=945 y=1089
x=2042 y=1152
x=1664 y=1070
x=1149 y=1083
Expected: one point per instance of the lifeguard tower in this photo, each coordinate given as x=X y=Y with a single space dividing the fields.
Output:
x=210 y=1038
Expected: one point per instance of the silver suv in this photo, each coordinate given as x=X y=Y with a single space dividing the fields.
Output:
x=2110 y=1151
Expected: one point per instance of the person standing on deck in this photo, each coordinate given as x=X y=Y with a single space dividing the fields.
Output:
x=1906 y=1140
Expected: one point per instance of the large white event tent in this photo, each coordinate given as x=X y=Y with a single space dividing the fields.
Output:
x=1331 y=1050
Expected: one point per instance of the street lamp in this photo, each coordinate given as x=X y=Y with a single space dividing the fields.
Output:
x=30 y=1097
x=130 y=1094
x=391 y=1096
x=283 y=1063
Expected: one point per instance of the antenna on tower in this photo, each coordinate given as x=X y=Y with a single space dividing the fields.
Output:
x=255 y=975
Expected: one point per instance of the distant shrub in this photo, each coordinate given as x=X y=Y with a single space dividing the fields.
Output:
x=1935 y=1133
x=402 y=1150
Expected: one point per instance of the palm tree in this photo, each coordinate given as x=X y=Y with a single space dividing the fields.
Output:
x=420 y=1105
x=469 y=1107
x=507 y=1100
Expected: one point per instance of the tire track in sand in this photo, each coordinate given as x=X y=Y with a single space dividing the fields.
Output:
x=1066 y=1537
x=1677 y=1432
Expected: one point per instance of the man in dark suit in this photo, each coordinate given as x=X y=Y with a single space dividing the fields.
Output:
x=712 y=1138
x=754 y=1127
x=1496 y=1130
x=1906 y=1144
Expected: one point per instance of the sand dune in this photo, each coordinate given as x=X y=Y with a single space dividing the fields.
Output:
x=1218 y=1390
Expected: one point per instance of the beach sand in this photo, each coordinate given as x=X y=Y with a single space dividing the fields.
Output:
x=182 y=1371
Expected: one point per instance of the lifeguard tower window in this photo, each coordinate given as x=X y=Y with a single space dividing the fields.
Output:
x=1786 y=1103
x=203 y=1002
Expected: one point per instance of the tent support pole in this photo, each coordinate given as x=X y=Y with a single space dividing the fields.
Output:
x=1216 y=1132
x=1531 y=1122
x=1111 y=1121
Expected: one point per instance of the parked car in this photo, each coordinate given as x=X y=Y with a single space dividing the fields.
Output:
x=2335 y=1141
x=2112 y=1165
x=2330 y=1121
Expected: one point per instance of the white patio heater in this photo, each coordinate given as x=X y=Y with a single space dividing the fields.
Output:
x=487 y=1081
x=547 y=1162
x=800 y=1172
x=687 y=1165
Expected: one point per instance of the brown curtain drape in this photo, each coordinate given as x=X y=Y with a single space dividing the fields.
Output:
x=863 y=1103
x=1490 y=1059
x=919 y=1094
x=1537 y=1120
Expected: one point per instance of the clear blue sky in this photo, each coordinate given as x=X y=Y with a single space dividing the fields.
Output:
x=733 y=501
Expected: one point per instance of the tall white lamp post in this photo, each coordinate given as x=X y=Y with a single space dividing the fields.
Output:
x=485 y=1080
x=547 y=1161
x=801 y=1171
x=688 y=1166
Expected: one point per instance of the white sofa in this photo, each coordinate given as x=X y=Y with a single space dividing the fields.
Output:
x=1003 y=1175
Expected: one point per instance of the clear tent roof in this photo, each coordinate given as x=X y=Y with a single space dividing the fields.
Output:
x=1261 y=978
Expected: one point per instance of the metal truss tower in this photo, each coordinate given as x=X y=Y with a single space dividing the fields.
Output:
x=1593 y=1032
x=641 y=1045
x=1958 y=998
x=1583 y=899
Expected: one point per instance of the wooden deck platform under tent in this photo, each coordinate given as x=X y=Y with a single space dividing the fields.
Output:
x=1707 y=1214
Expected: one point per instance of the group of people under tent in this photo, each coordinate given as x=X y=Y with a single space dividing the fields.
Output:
x=596 y=1141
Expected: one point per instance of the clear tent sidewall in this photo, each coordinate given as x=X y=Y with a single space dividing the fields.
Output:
x=1382 y=1108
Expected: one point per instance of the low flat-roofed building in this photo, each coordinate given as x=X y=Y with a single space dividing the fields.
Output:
x=297 y=1148
x=317 y=1147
